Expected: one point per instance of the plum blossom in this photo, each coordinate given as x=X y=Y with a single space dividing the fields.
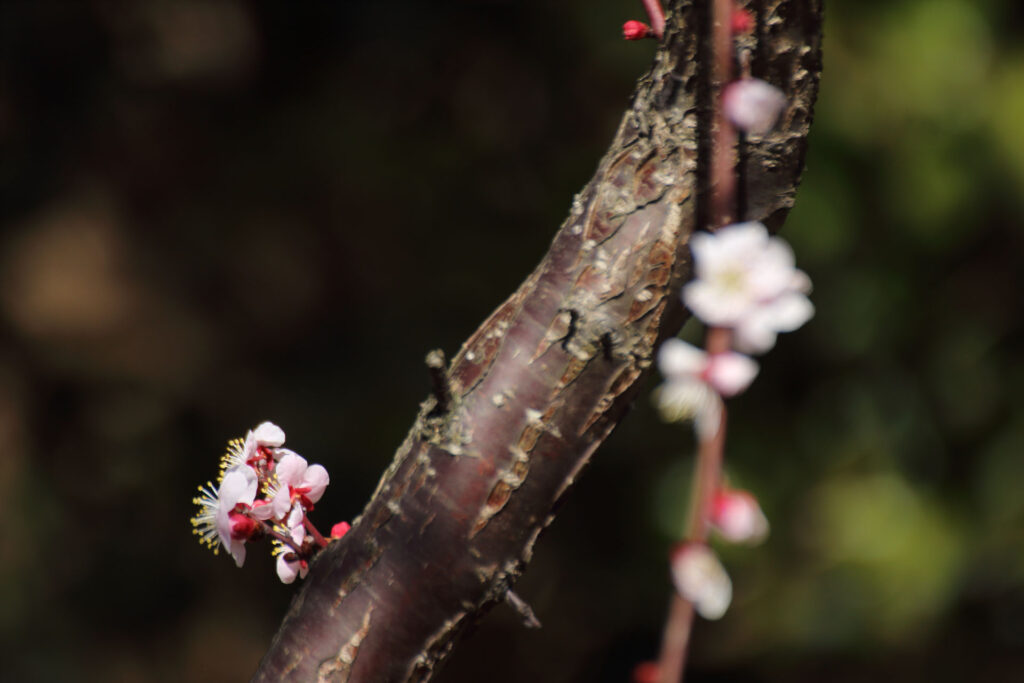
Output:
x=289 y=563
x=263 y=443
x=264 y=490
x=227 y=516
x=738 y=518
x=753 y=105
x=700 y=578
x=695 y=382
x=747 y=280
x=297 y=482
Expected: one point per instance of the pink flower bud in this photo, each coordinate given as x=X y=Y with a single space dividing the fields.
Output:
x=340 y=529
x=738 y=518
x=635 y=30
x=753 y=105
x=700 y=578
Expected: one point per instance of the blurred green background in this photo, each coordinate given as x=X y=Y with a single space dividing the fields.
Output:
x=219 y=213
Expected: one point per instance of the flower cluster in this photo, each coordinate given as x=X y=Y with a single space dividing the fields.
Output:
x=747 y=290
x=746 y=283
x=264 y=489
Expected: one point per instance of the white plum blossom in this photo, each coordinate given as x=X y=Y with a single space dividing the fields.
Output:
x=297 y=482
x=700 y=578
x=695 y=382
x=738 y=518
x=753 y=105
x=746 y=280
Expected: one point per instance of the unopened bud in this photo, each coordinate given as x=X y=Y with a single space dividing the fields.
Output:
x=635 y=30
x=340 y=529
x=700 y=578
x=738 y=518
x=742 y=21
x=753 y=105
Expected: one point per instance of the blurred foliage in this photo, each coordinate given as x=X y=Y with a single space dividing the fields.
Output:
x=219 y=213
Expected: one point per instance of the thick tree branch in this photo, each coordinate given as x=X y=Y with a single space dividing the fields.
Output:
x=544 y=380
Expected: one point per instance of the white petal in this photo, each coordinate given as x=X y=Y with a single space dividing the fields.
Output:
x=755 y=333
x=287 y=571
x=709 y=418
x=700 y=578
x=715 y=304
x=678 y=401
x=790 y=311
x=677 y=359
x=269 y=434
x=737 y=238
x=238 y=486
x=800 y=282
x=730 y=373
x=237 y=550
x=772 y=270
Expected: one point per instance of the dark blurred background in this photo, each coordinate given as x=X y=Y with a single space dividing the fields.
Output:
x=219 y=213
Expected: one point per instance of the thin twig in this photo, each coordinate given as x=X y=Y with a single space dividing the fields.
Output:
x=657 y=16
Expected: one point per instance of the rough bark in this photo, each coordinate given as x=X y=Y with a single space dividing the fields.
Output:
x=548 y=375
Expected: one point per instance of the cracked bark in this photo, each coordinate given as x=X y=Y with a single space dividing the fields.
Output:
x=538 y=387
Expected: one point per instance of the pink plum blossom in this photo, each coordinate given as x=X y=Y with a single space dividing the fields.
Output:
x=753 y=105
x=289 y=564
x=237 y=492
x=263 y=443
x=298 y=482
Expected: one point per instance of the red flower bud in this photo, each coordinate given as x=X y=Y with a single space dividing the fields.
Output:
x=635 y=30
x=340 y=529
x=646 y=672
x=742 y=21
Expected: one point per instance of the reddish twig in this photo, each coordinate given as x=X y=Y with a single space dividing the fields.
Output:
x=679 y=623
x=657 y=16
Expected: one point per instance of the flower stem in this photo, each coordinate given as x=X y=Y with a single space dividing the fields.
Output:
x=707 y=478
x=314 y=532
x=657 y=16
x=269 y=531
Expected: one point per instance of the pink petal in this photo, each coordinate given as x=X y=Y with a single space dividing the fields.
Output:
x=282 y=502
x=290 y=469
x=738 y=518
x=730 y=373
x=753 y=105
x=287 y=571
x=317 y=479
